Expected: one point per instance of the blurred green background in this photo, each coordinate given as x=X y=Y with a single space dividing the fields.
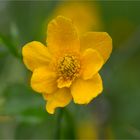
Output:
x=115 y=114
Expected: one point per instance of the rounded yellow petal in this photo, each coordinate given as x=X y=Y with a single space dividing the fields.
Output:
x=85 y=15
x=46 y=96
x=35 y=55
x=63 y=83
x=62 y=36
x=60 y=98
x=101 y=41
x=91 y=63
x=83 y=91
x=44 y=80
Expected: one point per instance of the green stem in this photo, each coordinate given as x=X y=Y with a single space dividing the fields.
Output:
x=71 y=124
x=58 y=124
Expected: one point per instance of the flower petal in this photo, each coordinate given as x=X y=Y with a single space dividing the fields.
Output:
x=83 y=91
x=60 y=98
x=62 y=35
x=46 y=96
x=91 y=63
x=61 y=82
x=100 y=41
x=44 y=80
x=35 y=55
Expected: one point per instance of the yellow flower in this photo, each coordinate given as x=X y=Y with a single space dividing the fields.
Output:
x=91 y=130
x=68 y=68
x=85 y=15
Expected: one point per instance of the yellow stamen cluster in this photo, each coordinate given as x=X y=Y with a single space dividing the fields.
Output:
x=68 y=67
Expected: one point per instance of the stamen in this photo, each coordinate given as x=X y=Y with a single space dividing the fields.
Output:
x=68 y=68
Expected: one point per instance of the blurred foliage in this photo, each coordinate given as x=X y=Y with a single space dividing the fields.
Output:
x=113 y=115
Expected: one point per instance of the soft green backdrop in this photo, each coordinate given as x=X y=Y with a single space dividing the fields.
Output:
x=114 y=114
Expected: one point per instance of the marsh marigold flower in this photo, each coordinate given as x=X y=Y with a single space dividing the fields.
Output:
x=85 y=15
x=68 y=67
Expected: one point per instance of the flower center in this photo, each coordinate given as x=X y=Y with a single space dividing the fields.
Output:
x=68 y=69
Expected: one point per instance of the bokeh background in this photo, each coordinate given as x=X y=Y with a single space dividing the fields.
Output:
x=115 y=114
